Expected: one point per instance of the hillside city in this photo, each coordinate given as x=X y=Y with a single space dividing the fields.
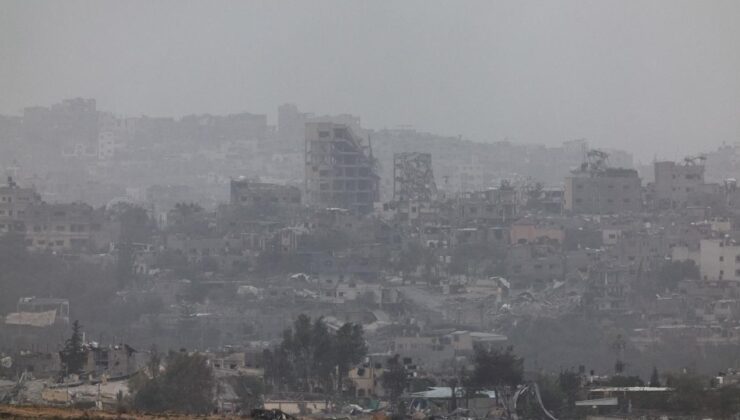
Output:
x=312 y=266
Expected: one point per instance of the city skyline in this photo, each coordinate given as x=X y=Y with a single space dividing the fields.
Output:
x=657 y=78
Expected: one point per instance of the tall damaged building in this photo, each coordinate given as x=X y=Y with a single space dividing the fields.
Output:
x=340 y=168
x=413 y=179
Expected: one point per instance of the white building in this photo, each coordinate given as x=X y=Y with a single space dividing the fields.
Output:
x=719 y=259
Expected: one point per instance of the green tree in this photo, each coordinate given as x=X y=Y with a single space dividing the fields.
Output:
x=350 y=349
x=136 y=226
x=279 y=372
x=688 y=393
x=498 y=369
x=395 y=379
x=187 y=386
x=495 y=367
x=323 y=355
x=553 y=399
x=73 y=354
x=671 y=273
x=250 y=390
x=311 y=358
x=570 y=383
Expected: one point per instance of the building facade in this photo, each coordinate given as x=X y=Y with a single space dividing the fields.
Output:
x=675 y=183
x=608 y=191
x=719 y=259
x=340 y=169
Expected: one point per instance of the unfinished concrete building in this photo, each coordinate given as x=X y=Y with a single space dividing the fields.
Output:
x=340 y=169
x=413 y=179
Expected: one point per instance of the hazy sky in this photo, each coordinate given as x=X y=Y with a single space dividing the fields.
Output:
x=654 y=77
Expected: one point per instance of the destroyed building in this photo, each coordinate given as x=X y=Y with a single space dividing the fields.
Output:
x=413 y=179
x=340 y=168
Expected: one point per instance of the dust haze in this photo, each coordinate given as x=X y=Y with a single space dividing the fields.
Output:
x=370 y=210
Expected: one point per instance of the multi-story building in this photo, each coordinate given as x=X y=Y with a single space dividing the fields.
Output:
x=675 y=183
x=340 y=168
x=719 y=259
x=413 y=178
x=14 y=201
x=65 y=227
x=494 y=205
x=606 y=191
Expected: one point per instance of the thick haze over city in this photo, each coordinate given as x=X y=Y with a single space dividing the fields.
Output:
x=370 y=210
x=658 y=78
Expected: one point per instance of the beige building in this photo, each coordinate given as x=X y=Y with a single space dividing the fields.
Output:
x=675 y=183
x=607 y=191
x=68 y=227
x=719 y=259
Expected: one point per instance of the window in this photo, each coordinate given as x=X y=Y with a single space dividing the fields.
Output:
x=721 y=258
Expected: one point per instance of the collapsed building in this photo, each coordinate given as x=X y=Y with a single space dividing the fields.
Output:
x=413 y=179
x=340 y=168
